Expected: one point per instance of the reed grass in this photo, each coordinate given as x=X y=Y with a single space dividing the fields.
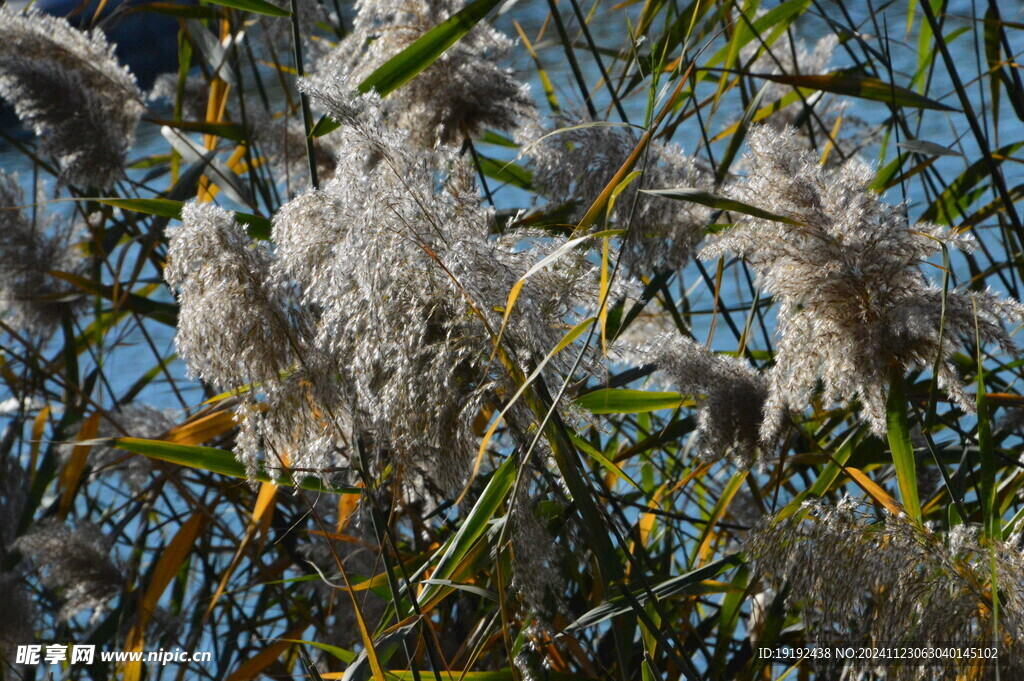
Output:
x=387 y=347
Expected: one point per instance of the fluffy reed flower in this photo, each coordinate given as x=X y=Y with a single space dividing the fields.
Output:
x=389 y=320
x=30 y=298
x=730 y=395
x=195 y=94
x=575 y=163
x=239 y=331
x=886 y=581
x=75 y=562
x=789 y=57
x=461 y=93
x=854 y=304
x=395 y=260
x=233 y=327
x=70 y=88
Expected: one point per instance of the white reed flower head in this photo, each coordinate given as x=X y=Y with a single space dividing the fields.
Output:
x=815 y=116
x=70 y=88
x=240 y=331
x=863 y=575
x=31 y=299
x=789 y=57
x=853 y=302
x=195 y=94
x=76 y=563
x=730 y=395
x=233 y=327
x=461 y=93
x=575 y=163
x=393 y=261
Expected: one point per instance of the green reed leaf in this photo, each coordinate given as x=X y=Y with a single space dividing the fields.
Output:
x=901 y=447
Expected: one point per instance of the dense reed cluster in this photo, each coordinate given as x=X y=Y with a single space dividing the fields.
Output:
x=372 y=324
x=729 y=392
x=880 y=580
x=517 y=392
x=75 y=565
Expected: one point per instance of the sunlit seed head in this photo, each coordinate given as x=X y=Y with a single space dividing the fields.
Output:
x=853 y=301
x=457 y=96
x=574 y=164
x=69 y=87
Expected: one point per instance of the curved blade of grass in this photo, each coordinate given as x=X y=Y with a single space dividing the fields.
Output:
x=736 y=141
x=627 y=401
x=703 y=543
x=171 y=559
x=213 y=460
x=956 y=197
x=710 y=200
x=542 y=75
x=165 y=208
x=873 y=490
x=165 y=313
x=987 y=482
x=254 y=667
x=607 y=463
x=863 y=87
x=201 y=430
x=670 y=587
x=513 y=294
x=510 y=172
x=345 y=656
x=927 y=148
x=762 y=113
x=474 y=526
x=569 y=337
x=71 y=474
x=231 y=131
x=259 y=226
x=729 y=616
